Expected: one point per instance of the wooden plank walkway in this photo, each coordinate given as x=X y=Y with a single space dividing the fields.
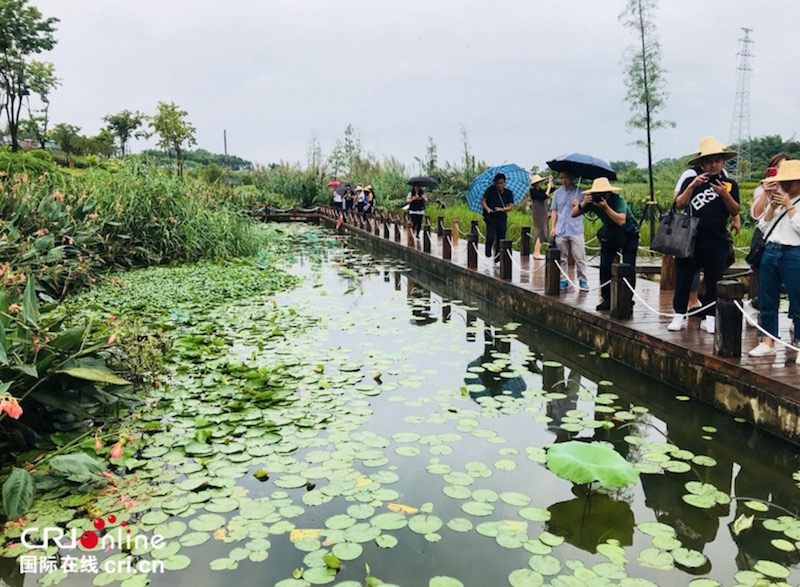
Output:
x=764 y=390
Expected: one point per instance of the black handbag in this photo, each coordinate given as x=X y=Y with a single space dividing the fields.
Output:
x=758 y=243
x=676 y=234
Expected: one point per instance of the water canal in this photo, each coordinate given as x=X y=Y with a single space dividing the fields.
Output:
x=373 y=414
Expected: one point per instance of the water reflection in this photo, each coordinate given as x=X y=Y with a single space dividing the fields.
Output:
x=491 y=366
x=419 y=299
x=590 y=520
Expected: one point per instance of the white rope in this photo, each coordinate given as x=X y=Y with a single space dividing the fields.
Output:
x=667 y=315
x=752 y=322
x=572 y=283
x=480 y=260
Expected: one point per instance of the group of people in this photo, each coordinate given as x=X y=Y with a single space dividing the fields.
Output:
x=705 y=192
x=350 y=201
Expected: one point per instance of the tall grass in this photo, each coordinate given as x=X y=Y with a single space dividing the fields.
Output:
x=66 y=228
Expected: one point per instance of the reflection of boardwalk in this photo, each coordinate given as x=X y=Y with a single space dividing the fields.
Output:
x=763 y=390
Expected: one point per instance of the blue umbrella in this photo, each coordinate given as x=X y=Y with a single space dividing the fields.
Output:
x=584 y=166
x=517 y=180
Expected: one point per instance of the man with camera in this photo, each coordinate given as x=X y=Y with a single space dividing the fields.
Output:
x=619 y=233
x=714 y=199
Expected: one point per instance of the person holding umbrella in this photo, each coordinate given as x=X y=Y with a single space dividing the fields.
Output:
x=568 y=229
x=620 y=231
x=539 y=213
x=416 y=200
x=497 y=201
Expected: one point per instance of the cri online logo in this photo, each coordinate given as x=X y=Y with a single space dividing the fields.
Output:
x=89 y=539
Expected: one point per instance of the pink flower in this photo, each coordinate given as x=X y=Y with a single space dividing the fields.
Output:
x=111 y=319
x=98 y=445
x=59 y=196
x=116 y=451
x=93 y=215
x=10 y=406
x=112 y=339
x=14 y=308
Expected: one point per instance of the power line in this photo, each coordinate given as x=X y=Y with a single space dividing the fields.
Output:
x=740 y=166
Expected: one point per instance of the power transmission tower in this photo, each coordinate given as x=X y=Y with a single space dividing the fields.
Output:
x=739 y=167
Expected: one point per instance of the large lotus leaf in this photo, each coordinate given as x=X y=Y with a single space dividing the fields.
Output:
x=583 y=462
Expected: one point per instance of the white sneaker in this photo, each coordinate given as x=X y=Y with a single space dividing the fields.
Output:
x=750 y=314
x=678 y=323
x=762 y=350
x=708 y=324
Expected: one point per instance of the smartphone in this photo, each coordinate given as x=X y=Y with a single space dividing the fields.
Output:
x=771 y=172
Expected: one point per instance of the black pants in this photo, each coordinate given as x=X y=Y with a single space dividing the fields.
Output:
x=495 y=232
x=713 y=261
x=608 y=254
x=416 y=221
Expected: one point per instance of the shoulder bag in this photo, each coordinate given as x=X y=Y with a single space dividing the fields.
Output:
x=676 y=234
x=759 y=241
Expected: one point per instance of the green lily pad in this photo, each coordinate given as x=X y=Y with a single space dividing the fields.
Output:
x=582 y=462
x=525 y=578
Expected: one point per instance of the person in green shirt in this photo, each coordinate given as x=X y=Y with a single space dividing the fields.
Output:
x=619 y=233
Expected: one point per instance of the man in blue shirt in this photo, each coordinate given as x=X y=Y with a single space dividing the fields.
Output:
x=568 y=230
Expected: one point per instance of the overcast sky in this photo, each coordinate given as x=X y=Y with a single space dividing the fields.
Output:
x=528 y=79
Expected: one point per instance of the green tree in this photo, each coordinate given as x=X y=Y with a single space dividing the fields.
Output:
x=43 y=80
x=347 y=153
x=428 y=163
x=175 y=133
x=645 y=82
x=23 y=32
x=101 y=144
x=67 y=137
x=124 y=126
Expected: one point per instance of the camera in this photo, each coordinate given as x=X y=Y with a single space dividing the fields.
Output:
x=597 y=198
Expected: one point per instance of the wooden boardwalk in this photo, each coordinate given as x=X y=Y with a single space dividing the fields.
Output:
x=764 y=390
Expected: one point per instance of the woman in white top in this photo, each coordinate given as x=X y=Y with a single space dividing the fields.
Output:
x=781 y=261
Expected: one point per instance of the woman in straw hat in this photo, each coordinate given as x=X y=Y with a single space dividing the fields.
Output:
x=619 y=233
x=714 y=199
x=539 y=212
x=781 y=261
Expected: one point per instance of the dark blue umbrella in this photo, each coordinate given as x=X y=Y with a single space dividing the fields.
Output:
x=584 y=166
x=517 y=180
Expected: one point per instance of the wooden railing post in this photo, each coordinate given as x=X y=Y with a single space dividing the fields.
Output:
x=505 y=259
x=552 y=276
x=621 y=295
x=409 y=235
x=728 y=328
x=385 y=228
x=667 y=273
x=397 y=229
x=473 y=227
x=440 y=226
x=472 y=250
x=525 y=242
x=426 y=237
x=447 y=252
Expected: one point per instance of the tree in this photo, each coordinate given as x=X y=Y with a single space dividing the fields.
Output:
x=645 y=82
x=23 y=32
x=67 y=137
x=428 y=163
x=43 y=80
x=124 y=125
x=346 y=153
x=173 y=131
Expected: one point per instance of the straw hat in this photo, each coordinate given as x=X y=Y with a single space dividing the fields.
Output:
x=711 y=146
x=536 y=179
x=359 y=188
x=789 y=170
x=602 y=185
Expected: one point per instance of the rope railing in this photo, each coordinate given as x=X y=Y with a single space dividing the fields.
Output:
x=572 y=283
x=665 y=314
x=755 y=324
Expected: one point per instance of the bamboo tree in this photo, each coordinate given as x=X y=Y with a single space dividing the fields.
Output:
x=645 y=82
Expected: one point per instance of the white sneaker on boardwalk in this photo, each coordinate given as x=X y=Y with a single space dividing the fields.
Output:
x=678 y=323
x=750 y=314
x=762 y=350
x=708 y=324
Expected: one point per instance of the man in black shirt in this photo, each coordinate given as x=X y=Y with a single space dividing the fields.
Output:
x=714 y=199
x=496 y=203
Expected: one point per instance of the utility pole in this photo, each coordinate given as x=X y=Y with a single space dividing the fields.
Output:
x=739 y=167
x=225 y=144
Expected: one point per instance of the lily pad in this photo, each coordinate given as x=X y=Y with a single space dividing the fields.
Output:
x=582 y=462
